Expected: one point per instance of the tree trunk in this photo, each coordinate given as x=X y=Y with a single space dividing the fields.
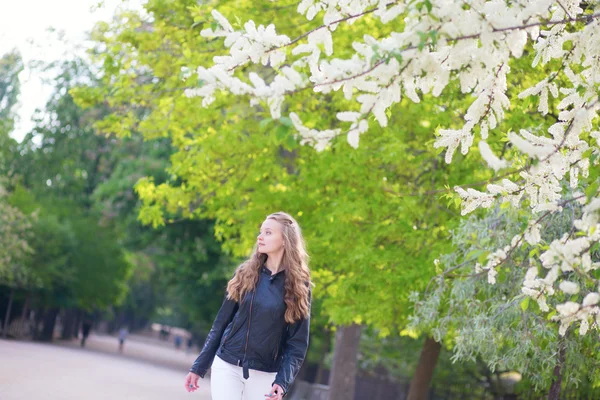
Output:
x=419 y=387
x=321 y=365
x=49 y=322
x=78 y=318
x=554 y=393
x=37 y=320
x=343 y=371
x=7 y=314
x=70 y=319
x=25 y=307
x=303 y=372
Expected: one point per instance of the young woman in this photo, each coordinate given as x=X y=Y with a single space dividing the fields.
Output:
x=260 y=335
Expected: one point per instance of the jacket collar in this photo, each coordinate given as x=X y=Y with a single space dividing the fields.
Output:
x=265 y=270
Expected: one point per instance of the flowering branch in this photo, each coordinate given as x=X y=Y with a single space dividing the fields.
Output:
x=442 y=42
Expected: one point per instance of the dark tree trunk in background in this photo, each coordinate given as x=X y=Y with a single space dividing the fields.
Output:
x=7 y=314
x=78 y=317
x=49 y=322
x=321 y=366
x=554 y=393
x=38 y=317
x=344 y=369
x=303 y=372
x=419 y=386
x=25 y=307
x=68 y=324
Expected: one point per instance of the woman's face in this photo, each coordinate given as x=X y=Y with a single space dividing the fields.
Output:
x=270 y=238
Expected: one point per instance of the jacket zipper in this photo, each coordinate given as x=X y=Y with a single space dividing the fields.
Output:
x=249 y=321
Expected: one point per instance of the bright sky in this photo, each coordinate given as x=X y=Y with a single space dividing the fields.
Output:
x=24 y=24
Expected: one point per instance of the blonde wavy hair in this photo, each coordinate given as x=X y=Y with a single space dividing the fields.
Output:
x=294 y=262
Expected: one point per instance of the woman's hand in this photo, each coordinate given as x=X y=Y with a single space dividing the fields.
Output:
x=276 y=393
x=191 y=382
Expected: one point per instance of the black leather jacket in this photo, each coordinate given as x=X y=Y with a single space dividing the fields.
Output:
x=254 y=335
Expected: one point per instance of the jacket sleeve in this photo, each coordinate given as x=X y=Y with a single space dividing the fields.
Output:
x=211 y=344
x=294 y=351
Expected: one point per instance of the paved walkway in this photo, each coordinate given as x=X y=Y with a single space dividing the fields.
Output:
x=138 y=347
x=64 y=371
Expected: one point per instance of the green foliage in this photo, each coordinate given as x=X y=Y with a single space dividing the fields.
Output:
x=396 y=357
x=15 y=226
x=75 y=262
x=15 y=232
x=496 y=323
x=11 y=65
x=62 y=156
x=371 y=226
x=101 y=268
x=178 y=267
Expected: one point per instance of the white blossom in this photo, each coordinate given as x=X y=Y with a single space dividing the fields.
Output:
x=584 y=326
x=474 y=46
x=541 y=300
x=486 y=153
x=319 y=139
x=530 y=277
x=473 y=199
x=321 y=36
x=492 y=273
x=569 y=287
x=537 y=150
x=567 y=309
x=532 y=234
x=591 y=299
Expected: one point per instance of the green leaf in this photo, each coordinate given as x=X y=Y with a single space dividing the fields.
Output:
x=592 y=190
x=397 y=56
x=534 y=252
x=433 y=34
x=422 y=40
x=483 y=257
x=263 y=124
x=286 y=121
x=291 y=142
x=525 y=303
x=474 y=253
x=281 y=132
x=428 y=5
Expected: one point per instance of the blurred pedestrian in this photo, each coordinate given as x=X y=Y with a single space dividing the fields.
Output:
x=164 y=333
x=260 y=335
x=178 y=341
x=86 y=327
x=123 y=332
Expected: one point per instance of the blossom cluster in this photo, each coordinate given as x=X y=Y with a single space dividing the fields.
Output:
x=571 y=256
x=472 y=42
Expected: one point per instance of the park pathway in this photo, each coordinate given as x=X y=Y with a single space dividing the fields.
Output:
x=64 y=371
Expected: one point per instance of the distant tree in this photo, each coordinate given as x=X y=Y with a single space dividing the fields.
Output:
x=15 y=227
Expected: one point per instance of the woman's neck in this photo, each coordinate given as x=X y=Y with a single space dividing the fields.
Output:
x=274 y=261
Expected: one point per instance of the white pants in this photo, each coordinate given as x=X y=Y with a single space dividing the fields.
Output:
x=227 y=382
